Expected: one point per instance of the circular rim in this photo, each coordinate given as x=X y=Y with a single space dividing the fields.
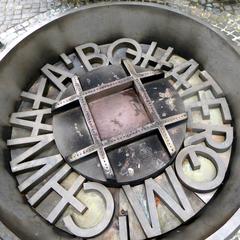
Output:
x=15 y=43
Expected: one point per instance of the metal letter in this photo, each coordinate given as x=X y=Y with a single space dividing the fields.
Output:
x=123 y=227
x=183 y=210
x=46 y=164
x=100 y=227
x=208 y=83
x=204 y=132
x=90 y=54
x=163 y=62
x=41 y=142
x=67 y=195
x=182 y=72
x=57 y=78
x=191 y=153
x=150 y=229
x=67 y=61
x=18 y=120
x=205 y=104
x=126 y=42
x=148 y=57
x=38 y=98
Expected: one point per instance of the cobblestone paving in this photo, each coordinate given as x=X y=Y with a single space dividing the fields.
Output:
x=16 y=17
x=19 y=16
x=13 y=12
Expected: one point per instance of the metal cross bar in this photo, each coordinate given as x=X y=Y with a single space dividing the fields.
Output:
x=100 y=146
x=93 y=129
x=135 y=133
x=105 y=87
x=151 y=109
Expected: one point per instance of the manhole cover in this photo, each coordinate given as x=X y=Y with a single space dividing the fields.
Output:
x=122 y=139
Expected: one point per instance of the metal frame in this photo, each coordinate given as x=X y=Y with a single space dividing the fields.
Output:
x=99 y=145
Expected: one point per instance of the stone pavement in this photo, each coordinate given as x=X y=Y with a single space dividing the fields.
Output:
x=19 y=16
x=14 y=12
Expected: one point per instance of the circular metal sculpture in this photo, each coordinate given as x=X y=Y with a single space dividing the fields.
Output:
x=123 y=139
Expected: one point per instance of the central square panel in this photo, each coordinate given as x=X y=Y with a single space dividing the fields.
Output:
x=118 y=113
